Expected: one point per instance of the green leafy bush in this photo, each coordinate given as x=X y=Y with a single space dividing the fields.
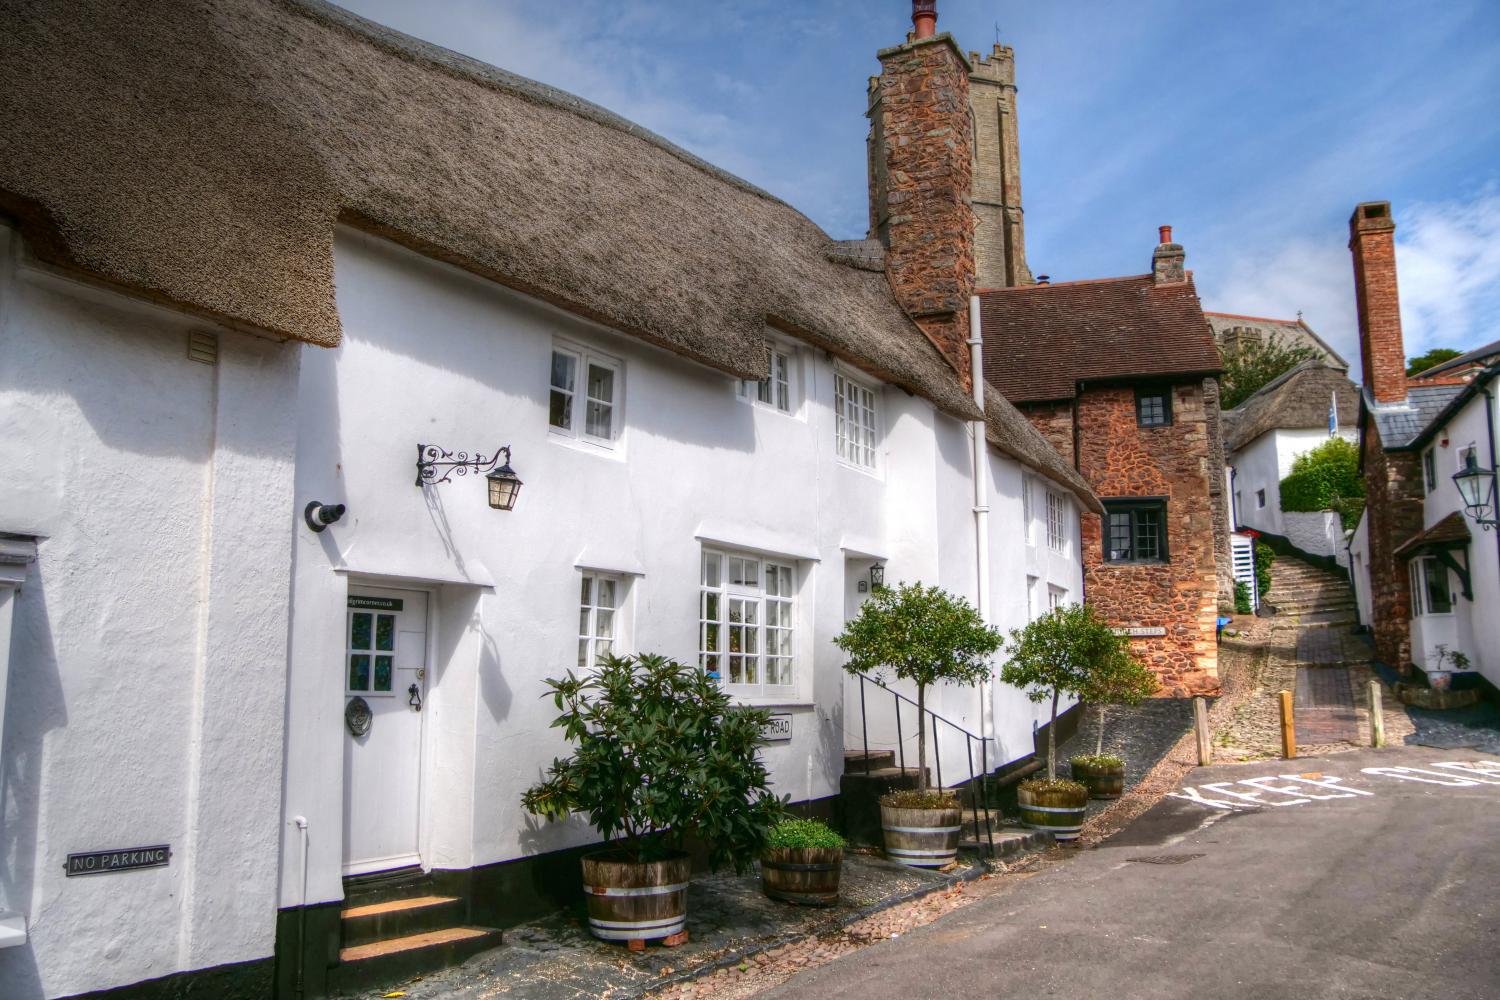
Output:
x=803 y=833
x=1242 y=598
x=1096 y=760
x=1264 y=557
x=659 y=753
x=912 y=798
x=1326 y=478
x=921 y=634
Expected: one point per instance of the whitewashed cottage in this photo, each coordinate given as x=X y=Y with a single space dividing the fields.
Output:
x=255 y=260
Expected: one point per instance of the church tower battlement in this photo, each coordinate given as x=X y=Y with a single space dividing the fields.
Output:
x=1000 y=250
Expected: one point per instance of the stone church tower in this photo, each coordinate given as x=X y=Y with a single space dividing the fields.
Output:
x=1000 y=239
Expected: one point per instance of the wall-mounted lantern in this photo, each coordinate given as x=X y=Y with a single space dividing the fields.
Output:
x=501 y=480
x=1477 y=487
x=877 y=576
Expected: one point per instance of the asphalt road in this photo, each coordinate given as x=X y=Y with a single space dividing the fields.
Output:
x=1390 y=894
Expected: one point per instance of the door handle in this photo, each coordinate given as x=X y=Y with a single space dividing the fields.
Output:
x=414 y=697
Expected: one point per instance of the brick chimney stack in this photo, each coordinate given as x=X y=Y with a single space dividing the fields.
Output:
x=1372 y=241
x=1169 y=260
x=921 y=182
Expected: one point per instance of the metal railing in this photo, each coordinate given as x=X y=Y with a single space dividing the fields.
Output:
x=977 y=783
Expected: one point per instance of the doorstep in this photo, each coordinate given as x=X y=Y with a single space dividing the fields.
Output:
x=729 y=919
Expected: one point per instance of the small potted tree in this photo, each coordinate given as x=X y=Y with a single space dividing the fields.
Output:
x=659 y=755
x=1113 y=676
x=1051 y=657
x=802 y=863
x=924 y=635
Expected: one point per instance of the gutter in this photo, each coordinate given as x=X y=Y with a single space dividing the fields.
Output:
x=981 y=471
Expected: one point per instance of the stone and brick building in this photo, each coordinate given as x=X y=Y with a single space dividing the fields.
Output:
x=1119 y=374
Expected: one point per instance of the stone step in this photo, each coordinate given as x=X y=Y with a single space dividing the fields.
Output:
x=856 y=761
x=382 y=963
x=398 y=918
x=1002 y=841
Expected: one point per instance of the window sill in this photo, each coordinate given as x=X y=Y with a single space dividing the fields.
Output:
x=1136 y=562
x=587 y=446
x=772 y=702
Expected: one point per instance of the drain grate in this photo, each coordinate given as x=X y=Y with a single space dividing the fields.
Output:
x=1167 y=859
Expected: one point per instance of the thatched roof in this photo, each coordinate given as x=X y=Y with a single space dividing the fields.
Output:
x=1013 y=434
x=201 y=152
x=1297 y=399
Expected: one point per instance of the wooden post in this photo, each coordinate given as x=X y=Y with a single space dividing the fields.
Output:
x=1288 y=727
x=1200 y=724
x=1377 y=716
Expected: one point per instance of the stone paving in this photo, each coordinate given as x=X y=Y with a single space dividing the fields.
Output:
x=1325 y=710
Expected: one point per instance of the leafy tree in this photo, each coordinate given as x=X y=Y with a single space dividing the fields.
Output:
x=1326 y=478
x=1431 y=359
x=1251 y=365
x=921 y=634
x=660 y=753
x=1070 y=650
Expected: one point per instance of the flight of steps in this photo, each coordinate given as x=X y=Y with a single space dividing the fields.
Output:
x=1311 y=595
x=398 y=926
x=869 y=776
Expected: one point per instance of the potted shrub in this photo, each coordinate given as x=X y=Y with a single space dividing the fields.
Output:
x=924 y=635
x=659 y=754
x=1112 y=675
x=802 y=863
x=1052 y=656
x=1440 y=678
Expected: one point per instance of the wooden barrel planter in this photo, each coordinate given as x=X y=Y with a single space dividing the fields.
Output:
x=1059 y=811
x=921 y=838
x=1103 y=781
x=808 y=876
x=635 y=900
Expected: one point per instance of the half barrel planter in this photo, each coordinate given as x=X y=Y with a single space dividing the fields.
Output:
x=921 y=838
x=1058 y=811
x=808 y=876
x=1104 y=781
x=636 y=900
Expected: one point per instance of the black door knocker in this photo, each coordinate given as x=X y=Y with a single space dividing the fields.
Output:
x=414 y=697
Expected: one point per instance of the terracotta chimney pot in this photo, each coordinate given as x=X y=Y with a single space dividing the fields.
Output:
x=1166 y=233
x=924 y=16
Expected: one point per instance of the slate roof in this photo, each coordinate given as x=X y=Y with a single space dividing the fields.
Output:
x=1288 y=332
x=1451 y=530
x=1295 y=400
x=1040 y=341
x=1400 y=424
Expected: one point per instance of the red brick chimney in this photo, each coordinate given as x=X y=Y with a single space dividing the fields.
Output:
x=1169 y=261
x=921 y=182
x=1372 y=240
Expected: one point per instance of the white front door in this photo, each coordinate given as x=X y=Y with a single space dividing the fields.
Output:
x=385 y=668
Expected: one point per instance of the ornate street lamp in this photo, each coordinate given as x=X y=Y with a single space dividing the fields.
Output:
x=503 y=483
x=1477 y=487
x=877 y=576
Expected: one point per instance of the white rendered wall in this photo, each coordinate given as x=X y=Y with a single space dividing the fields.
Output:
x=149 y=647
x=1262 y=465
x=1320 y=533
x=1359 y=569
x=433 y=355
x=1473 y=627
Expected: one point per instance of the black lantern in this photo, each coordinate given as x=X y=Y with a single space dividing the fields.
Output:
x=877 y=576
x=505 y=485
x=1477 y=487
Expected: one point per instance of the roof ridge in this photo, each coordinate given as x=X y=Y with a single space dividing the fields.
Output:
x=1063 y=284
x=1263 y=319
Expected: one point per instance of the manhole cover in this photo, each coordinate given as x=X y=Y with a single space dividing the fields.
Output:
x=1167 y=859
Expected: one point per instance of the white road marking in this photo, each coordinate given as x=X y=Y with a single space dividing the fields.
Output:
x=1300 y=789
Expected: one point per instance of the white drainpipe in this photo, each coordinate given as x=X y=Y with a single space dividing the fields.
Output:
x=981 y=467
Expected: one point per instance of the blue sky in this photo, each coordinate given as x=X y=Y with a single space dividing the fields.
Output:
x=1253 y=128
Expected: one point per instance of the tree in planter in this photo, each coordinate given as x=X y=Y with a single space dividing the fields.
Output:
x=659 y=753
x=1060 y=653
x=924 y=635
x=1112 y=674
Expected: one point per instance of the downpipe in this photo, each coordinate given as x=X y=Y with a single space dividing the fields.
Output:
x=981 y=470
x=298 y=987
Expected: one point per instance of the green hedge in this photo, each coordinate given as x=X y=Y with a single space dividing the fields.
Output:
x=1326 y=478
x=1264 y=557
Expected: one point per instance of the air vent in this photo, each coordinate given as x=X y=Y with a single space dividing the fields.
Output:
x=203 y=347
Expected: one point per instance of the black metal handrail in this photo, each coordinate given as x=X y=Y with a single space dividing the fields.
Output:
x=978 y=782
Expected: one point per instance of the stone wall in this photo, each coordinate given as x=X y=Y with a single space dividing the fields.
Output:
x=1393 y=507
x=1121 y=459
x=1218 y=493
x=1055 y=421
x=1319 y=533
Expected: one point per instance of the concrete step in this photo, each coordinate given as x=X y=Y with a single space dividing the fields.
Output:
x=1002 y=841
x=382 y=963
x=398 y=918
x=856 y=761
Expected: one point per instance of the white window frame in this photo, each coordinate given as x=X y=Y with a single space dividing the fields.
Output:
x=1057 y=522
x=781 y=361
x=1419 y=570
x=1028 y=514
x=851 y=452
x=773 y=632
x=599 y=623
x=584 y=358
x=372 y=652
x=1056 y=597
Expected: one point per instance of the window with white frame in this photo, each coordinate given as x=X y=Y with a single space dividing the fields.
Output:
x=1031 y=583
x=1057 y=522
x=585 y=395
x=1028 y=484
x=775 y=390
x=1430 y=592
x=854 y=421
x=1056 y=598
x=747 y=622
x=598 y=608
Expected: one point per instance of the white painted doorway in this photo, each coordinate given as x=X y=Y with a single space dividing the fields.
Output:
x=385 y=686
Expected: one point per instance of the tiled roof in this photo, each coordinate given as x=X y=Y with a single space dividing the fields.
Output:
x=1451 y=530
x=1400 y=423
x=1041 y=340
x=1295 y=400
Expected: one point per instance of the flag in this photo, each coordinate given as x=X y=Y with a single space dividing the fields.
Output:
x=1333 y=414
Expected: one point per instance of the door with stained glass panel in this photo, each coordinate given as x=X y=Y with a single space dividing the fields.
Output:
x=385 y=667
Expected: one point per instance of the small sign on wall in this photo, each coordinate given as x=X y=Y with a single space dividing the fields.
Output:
x=1138 y=631
x=377 y=603
x=103 y=862
x=778 y=728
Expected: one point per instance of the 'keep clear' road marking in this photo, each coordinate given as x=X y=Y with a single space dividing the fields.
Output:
x=1300 y=789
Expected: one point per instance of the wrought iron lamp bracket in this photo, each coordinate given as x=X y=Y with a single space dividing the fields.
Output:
x=433 y=458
